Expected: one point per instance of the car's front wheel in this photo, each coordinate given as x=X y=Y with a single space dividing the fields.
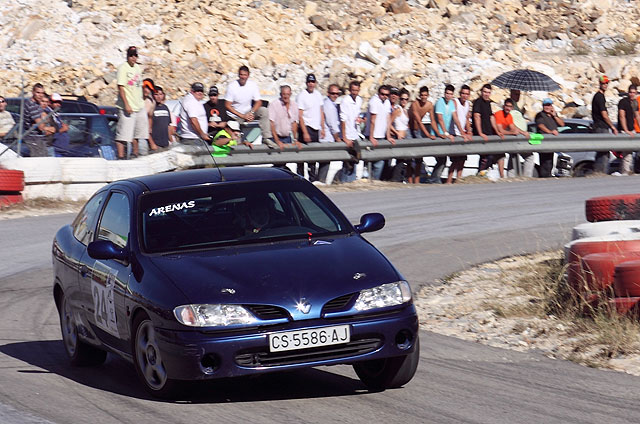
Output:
x=389 y=373
x=79 y=353
x=148 y=360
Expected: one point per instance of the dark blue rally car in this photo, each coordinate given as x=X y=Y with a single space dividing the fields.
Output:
x=213 y=273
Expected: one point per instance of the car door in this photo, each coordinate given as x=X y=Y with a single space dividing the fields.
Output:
x=105 y=281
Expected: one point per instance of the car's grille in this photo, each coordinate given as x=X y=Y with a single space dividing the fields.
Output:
x=272 y=359
x=339 y=303
x=267 y=312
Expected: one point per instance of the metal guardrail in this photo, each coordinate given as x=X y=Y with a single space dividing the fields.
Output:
x=415 y=148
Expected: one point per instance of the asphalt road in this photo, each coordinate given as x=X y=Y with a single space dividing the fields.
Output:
x=431 y=231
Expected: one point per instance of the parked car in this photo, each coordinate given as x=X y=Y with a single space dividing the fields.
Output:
x=70 y=104
x=214 y=273
x=89 y=135
x=583 y=163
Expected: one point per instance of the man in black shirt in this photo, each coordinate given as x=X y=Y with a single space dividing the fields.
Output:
x=484 y=123
x=216 y=111
x=627 y=114
x=162 y=125
x=547 y=122
x=601 y=122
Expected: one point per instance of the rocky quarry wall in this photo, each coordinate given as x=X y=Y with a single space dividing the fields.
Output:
x=74 y=46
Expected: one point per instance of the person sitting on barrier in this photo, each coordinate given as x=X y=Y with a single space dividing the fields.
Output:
x=547 y=122
x=463 y=110
x=627 y=115
x=243 y=103
x=484 y=123
x=505 y=125
x=421 y=114
x=446 y=124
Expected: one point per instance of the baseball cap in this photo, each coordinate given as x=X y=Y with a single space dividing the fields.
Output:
x=197 y=86
x=311 y=78
x=604 y=79
x=233 y=125
x=55 y=97
x=394 y=90
x=132 y=51
x=213 y=91
x=547 y=101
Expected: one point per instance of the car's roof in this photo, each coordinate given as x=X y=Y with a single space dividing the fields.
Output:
x=178 y=179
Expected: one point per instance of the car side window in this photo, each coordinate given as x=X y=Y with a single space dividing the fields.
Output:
x=114 y=225
x=85 y=222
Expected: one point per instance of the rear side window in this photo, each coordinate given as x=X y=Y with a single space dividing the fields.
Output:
x=85 y=223
x=114 y=225
x=78 y=129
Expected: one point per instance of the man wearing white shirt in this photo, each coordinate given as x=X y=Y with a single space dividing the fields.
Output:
x=331 y=125
x=311 y=118
x=350 y=120
x=193 y=117
x=244 y=104
x=377 y=122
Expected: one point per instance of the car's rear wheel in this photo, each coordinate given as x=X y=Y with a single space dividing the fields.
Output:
x=148 y=360
x=389 y=373
x=79 y=353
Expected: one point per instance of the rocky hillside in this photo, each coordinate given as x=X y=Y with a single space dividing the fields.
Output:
x=74 y=46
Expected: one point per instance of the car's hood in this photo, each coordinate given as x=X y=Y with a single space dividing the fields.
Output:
x=280 y=273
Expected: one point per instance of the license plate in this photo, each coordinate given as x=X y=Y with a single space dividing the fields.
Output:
x=305 y=339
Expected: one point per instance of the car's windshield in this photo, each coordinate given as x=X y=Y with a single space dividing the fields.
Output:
x=236 y=213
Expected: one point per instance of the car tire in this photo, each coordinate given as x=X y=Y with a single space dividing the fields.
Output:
x=147 y=360
x=599 y=268
x=626 y=280
x=583 y=169
x=605 y=228
x=613 y=208
x=389 y=373
x=79 y=352
x=11 y=181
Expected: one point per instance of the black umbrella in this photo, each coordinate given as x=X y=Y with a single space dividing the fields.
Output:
x=526 y=80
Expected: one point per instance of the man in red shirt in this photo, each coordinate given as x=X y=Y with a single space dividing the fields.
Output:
x=505 y=126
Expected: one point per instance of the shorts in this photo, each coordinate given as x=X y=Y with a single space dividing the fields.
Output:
x=132 y=126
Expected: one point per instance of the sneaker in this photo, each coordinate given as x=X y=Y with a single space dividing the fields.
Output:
x=318 y=183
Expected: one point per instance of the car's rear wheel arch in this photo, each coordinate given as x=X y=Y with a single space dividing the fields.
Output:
x=57 y=293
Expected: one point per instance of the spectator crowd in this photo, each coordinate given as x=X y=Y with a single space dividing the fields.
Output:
x=145 y=120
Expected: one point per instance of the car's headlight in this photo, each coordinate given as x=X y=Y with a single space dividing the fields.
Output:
x=213 y=315
x=389 y=294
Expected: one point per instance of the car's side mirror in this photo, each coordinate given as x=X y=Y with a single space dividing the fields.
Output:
x=370 y=222
x=105 y=249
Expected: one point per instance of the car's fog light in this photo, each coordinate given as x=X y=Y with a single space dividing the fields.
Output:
x=404 y=339
x=209 y=363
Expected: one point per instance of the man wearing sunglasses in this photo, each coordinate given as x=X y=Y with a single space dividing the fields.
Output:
x=6 y=120
x=331 y=126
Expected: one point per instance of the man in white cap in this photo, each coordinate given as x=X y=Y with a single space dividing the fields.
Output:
x=193 y=117
x=133 y=122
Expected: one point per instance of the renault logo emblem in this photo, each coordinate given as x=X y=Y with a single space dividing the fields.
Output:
x=359 y=275
x=303 y=306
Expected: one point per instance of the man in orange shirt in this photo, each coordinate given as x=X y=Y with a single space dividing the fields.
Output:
x=505 y=126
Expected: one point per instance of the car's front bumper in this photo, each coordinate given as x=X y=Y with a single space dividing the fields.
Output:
x=196 y=355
